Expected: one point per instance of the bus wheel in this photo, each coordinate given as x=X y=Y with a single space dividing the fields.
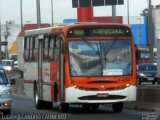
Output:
x=63 y=107
x=117 y=107
x=48 y=105
x=38 y=102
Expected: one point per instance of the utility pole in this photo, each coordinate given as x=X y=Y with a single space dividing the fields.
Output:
x=113 y=13
x=38 y=14
x=128 y=10
x=21 y=14
x=6 y=35
x=52 y=11
x=150 y=29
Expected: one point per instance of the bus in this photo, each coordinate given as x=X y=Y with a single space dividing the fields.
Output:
x=87 y=64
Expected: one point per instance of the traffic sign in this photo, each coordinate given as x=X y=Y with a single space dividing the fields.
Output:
x=4 y=43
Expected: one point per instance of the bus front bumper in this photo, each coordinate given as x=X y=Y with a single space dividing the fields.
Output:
x=75 y=95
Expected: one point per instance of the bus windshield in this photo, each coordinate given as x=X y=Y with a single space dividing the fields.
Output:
x=100 y=58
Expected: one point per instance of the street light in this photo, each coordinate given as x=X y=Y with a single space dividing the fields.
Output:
x=21 y=14
x=128 y=10
x=52 y=10
x=148 y=12
x=38 y=14
x=150 y=29
x=113 y=13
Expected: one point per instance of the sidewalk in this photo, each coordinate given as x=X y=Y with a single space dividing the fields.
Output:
x=147 y=106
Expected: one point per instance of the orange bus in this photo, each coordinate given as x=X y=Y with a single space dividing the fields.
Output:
x=84 y=63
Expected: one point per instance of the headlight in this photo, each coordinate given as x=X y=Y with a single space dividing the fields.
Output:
x=6 y=92
x=141 y=74
x=9 y=68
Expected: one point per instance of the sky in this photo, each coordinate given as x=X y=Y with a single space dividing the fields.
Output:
x=62 y=9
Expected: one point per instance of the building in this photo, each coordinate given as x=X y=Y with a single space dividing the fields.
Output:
x=140 y=32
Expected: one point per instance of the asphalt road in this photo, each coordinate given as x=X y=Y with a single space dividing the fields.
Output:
x=24 y=109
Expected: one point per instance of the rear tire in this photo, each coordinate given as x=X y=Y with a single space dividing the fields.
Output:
x=117 y=107
x=38 y=102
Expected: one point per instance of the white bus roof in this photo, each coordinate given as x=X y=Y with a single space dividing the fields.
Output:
x=38 y=31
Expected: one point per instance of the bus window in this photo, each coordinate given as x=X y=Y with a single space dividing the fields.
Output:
x=35 y=48
x=31 y=48
x=56 y=49
x=26 y=49
x=51 y=47
x=45 y=52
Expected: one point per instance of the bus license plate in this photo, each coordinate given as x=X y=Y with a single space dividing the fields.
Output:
x=102 y=95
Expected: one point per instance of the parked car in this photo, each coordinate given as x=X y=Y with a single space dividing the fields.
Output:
x=147 y=72
x=5 y=92
x=8 y=64
x=155 y=61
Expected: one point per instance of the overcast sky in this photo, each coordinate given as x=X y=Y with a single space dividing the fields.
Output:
x=10 y=10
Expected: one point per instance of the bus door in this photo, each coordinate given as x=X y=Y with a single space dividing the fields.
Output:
x=59 y=60
x=40 y=72
x=62 y=82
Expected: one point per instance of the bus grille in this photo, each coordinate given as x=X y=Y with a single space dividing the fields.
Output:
x=94 y=97
x=105 y=89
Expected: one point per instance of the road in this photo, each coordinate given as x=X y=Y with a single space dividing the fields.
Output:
x=23 y=107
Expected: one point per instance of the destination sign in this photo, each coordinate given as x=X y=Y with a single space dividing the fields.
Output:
x=86 y=32
x=107 y=32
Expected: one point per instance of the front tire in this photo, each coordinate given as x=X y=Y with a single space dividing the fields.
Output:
x=48 y=105
x=38 y=102
x=63 y=107
x=117 y=107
